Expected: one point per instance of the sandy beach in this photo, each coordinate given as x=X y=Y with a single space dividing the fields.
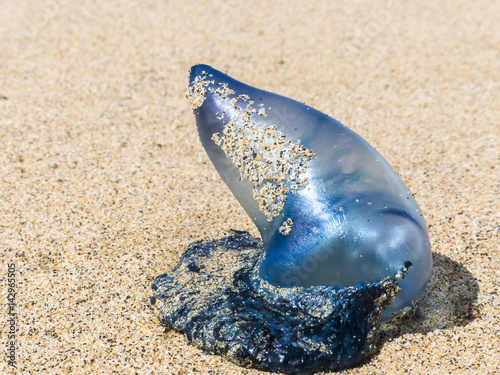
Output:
x=104 y=182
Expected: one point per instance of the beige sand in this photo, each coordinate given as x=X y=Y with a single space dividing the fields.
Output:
x=103 y=181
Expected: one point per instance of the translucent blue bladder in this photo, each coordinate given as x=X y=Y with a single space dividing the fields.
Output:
x=330 y=209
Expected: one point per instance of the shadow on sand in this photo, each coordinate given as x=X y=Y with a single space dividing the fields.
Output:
x=449 y=300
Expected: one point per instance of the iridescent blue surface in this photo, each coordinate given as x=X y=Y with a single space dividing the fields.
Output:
x=354 y=220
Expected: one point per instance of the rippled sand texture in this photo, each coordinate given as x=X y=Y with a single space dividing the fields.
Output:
x=104 y=183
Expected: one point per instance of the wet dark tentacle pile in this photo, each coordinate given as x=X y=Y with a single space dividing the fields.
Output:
x=216 y=299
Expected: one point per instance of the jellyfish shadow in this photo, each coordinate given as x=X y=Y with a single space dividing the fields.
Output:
x=449 y=300
x=231 y=308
